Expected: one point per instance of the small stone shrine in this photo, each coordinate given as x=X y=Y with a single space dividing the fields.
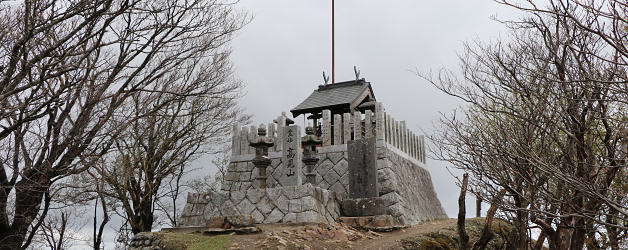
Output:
x=356 y=164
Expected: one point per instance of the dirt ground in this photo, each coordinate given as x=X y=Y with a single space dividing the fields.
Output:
x=335 y=236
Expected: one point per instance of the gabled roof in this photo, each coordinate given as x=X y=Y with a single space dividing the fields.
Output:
x=347 y=95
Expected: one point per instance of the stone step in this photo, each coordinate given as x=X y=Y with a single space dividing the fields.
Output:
x=363 y=207
x=377 y=223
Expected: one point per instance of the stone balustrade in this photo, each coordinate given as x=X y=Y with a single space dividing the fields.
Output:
x=338 y=130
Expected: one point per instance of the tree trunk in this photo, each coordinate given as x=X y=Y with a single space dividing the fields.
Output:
x=579 y=235
x=486 y=231
x=478 y=207
x=142 y=220
x=463 y=238
x=540 y=241
x=29 y=193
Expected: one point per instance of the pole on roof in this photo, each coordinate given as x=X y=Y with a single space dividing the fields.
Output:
x=333 y=71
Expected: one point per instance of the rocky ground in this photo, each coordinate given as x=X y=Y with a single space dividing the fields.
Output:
x=439 y=234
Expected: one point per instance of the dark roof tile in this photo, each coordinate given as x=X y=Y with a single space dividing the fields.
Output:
x=332 y=95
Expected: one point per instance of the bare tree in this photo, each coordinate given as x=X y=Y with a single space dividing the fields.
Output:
x=211 y=183
x=152 y=154
x=67 y=68
x=61 y=230
x=546 y=122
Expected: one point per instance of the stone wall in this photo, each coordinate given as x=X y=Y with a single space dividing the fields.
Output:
x=404 y=182
x=295 y=204
x=407 y=188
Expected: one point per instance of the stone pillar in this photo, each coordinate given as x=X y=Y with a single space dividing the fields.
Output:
x=362 y=168
x=326 y=127
x=281 y=123
x=346 y=127
x=235 y=139
x=368 y=124
x=271 y=134
x=252 y=134
x=357 y=126
x=380 y=123
x=244 y=140
x=261 y=143
x=402 y=137
x=388 y=130
x=291 y=159
x=309 y=143
x=337 y=129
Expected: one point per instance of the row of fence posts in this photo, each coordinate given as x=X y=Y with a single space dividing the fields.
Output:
x=339 y=129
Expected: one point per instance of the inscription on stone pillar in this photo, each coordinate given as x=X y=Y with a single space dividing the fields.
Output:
x=362 y=168
x=292 y=154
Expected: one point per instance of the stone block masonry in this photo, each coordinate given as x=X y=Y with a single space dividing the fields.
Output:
x=293 y=204
x=403 y=179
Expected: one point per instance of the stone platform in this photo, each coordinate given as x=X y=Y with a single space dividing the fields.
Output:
x=292 y=204
x=378 y=223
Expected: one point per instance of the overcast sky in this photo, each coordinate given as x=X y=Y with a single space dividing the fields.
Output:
x=282 y=53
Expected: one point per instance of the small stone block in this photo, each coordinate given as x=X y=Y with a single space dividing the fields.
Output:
x=217 y=222
x=379 y=223
x=363 y=207
x=240 y=220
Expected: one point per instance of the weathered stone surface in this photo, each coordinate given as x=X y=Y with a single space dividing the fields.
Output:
x=303 y=190
x=217 y=222
x=245 y=207
x=292 y=174
x=218 y=198
x=236 y=197
x=363 y=207
x=208 y=210
x=240 y=220
x=290 y=218
x=308 y=203
x=308 y=217
x=274 y=217
x=254 y=195
x=295 y=206
x=381 y=223
x=245 y=176
x=338 y=188
x=292 y=202
x=362 y=169
x=335 y=157
x=331 y=176
x=283 y=205
x=265 y=206
x=258 y=217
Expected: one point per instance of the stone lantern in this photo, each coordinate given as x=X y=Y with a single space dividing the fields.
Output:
x=261 y=143
x=309 y=143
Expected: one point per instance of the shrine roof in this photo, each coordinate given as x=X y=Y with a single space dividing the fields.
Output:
x=342 y=95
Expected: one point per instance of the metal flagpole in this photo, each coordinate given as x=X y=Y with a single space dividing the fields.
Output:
x=333 y=70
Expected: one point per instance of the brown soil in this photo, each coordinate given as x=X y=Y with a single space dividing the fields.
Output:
x=335 y=236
